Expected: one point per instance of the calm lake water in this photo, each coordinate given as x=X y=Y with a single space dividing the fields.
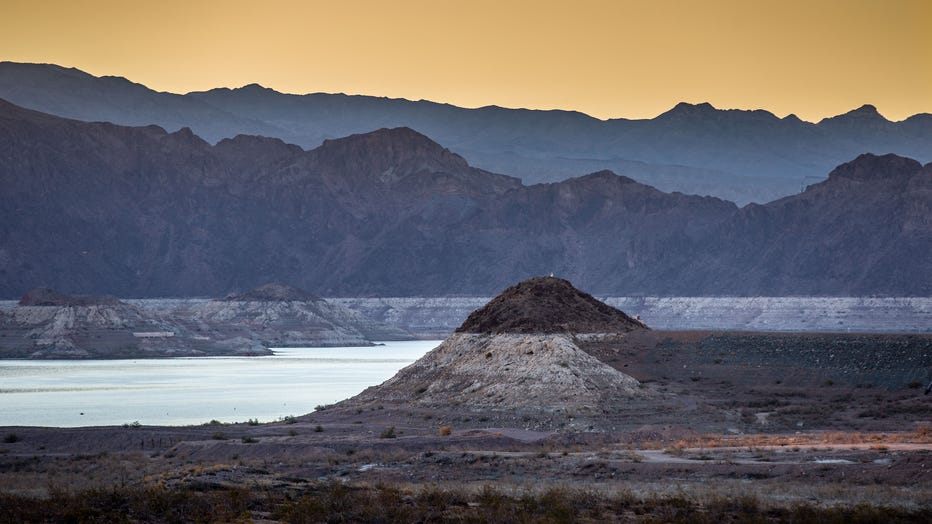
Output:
x=183 y=391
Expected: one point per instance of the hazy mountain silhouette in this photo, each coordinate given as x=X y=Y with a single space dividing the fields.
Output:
x=137 y=211
x=739 y=155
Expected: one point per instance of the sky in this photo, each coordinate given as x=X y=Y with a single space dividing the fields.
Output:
x=609 y=59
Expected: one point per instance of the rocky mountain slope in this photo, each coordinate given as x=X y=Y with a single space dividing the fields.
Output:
x=739 y=155
x=49 y=324
x=136 y=212
x=868 y=227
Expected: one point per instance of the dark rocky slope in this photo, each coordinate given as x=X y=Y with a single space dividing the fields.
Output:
x=547 y=305
x=135 y=212
x=866 y=230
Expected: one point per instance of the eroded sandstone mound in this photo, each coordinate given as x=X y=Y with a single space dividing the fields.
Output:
x=49 y=324
x=519 y=353
x=276 y=315
x=545 y=372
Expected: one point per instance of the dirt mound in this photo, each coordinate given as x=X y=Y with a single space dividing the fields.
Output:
x=536 y=374
x=49 y=297
x=274 y=293
x=547 y=305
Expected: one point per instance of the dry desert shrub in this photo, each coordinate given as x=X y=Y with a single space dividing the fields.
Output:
x=341 y=502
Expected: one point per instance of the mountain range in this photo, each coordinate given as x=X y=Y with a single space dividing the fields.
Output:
x=99 y=208
x=743 y=156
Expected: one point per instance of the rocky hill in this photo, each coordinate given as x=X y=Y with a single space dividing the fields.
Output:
x=693 y=148
x=139 y=212
x=49 y=324
x=547 y=305
x=519 y=354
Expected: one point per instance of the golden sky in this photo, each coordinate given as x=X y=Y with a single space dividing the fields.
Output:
x=632 y=59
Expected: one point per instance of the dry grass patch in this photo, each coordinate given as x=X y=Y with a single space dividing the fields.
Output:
x=339 y=502
x=922 y=435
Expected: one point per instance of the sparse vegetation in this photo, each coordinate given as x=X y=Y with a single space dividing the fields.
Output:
x=388 y=433
x=249 y=440
x=445 y=431
x=339 y=502
x=134 y=424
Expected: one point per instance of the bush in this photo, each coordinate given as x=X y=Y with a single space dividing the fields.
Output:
x=249 y=440
x=388 y=433
x=338 y=502
x=445 y=431
x=10 y=438
x=253 y=422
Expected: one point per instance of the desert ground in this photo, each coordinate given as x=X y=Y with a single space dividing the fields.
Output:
x=733 y=426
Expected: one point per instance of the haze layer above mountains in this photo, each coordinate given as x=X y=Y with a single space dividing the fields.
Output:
x=742 y=156
x=137 y=211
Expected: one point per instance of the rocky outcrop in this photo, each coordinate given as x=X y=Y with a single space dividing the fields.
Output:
x=547 y=305
x=520 y=353
x=49 y=324
x=275 y=315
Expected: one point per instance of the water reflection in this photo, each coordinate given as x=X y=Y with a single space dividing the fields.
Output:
x=183 y=391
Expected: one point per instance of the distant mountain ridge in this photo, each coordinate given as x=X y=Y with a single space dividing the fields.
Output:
x=97 y=208
x=739 y=155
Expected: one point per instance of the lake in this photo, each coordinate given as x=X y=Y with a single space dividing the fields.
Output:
x=185 y=391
